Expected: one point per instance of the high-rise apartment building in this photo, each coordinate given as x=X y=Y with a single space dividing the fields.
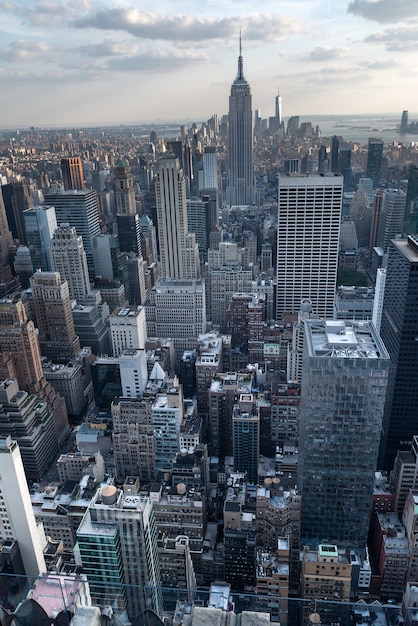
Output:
x=72 y=173
x=40 y=223
x=80 y=209
x=179 y=254
x=307 y=242
x=69 y=259
x=241 y=188
x=374 y=161
x=6 y=243
x=167 y=416
x=399 y=329
x=51 y=298
x=343 y=389
x=17 y=520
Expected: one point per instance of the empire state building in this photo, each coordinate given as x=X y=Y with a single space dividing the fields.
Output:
x=241 y=188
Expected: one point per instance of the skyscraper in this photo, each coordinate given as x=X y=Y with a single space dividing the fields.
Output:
x=6 y=242
x=79 y=209
x=127 y=219
x=391 y=217
x=179 y=254
x=40 y=224
x=344 y=381
x=17 y=520
x=246 y=436
x=241 y=189
x=374 y=161
x=72 y=173
x=410 y=224
x=51 y=297
x=69 y=259
x=399 y=330
x=307 y=242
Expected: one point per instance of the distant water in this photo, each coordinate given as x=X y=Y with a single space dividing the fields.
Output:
x=359 y=128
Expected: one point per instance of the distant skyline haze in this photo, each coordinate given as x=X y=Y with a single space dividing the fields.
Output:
x=84 y=61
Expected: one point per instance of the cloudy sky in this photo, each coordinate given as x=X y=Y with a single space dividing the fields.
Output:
x=115 y=61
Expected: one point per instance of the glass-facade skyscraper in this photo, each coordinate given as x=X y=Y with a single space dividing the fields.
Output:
x=344 y=380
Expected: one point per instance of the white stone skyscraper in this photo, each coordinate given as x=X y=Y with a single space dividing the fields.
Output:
x=69 y=259
x=179 y=253
x=241 y=189
x=307 y=242
x=17 y=520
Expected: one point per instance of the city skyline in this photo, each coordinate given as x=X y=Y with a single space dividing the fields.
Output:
x=88 y=62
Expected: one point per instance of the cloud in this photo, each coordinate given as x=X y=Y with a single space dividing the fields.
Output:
x=402 y=39
x=46 y=13
x=385 y=11
x=263 y=27
x=325 y=53
x=25 y=51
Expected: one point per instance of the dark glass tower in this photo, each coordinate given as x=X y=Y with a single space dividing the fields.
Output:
x=410 y=223
x=241 y=142
x=374 y=161
x=399 y=331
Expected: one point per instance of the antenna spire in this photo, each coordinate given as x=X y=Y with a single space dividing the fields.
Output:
x=240 y=75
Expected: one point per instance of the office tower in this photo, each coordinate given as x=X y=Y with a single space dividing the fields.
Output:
x=208 y=364
x=17 y=521
x=124 y=189
x=91 y=323
x=128 y=329
x=133 y=372
x=69 y=259
x=118 y=549
x=72 y=173
x=179 y=254
x=335 y=147
x=410 y=224
x=136 y=267
x=149 y=234
x=167 y=417
x=51 y=297
x=6 y=243
x=377 y=209
x=343 y=389
x=379 y=295
x=391 y=217
x=404 y=476
x=323 y=162
x=278 y=110
x=307 y=242
x=98 y=180
x=19 y=343
x=23 y=266
x=109 y=262
x=197 y=222
x=28 y=420
x=17 y=199
x=246 y=436
x=272 y=580
x=246 y=320
x=404 y=123
x=210 y=168
x=241 y=187
x=40 y=224
x=374 y=161
x=177 y=309
x=399 y=329
x=80 y=210
x=133 y=438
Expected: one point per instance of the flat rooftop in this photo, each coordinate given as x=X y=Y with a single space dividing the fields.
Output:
x=344 y=339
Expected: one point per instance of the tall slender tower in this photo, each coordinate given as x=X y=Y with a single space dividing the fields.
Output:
x=179 y=253
x=69 y=259
x=241 y=188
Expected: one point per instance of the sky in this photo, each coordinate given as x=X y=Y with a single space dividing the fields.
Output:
x=86 y=62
